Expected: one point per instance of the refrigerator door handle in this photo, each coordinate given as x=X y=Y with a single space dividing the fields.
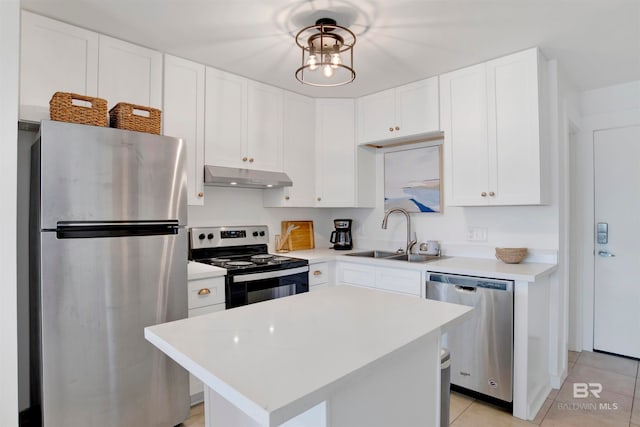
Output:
x=89 y=229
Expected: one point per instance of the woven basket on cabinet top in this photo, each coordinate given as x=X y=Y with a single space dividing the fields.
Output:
x=511 y=255
x=62 y=109
x=127 y=116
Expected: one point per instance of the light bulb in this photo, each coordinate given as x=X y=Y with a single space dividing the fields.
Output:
x=313 y=65
x=327 y=71
x=335 y=60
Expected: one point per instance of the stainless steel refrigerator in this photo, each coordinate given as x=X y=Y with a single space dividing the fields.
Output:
x=108 y=257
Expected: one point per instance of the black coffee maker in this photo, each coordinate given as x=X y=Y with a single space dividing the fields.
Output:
x=341 y=236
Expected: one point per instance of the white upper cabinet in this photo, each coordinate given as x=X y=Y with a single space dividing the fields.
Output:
x=54 y=57
x=495 y=148
x=298 y=154
x=226 y=119
x=243 y=125
x=183 y=117
x=463 y=103
x=57 y=57
x=376 y=116
x=402 y=113
x=129 y=73
x=264 y=126
x=336 y=172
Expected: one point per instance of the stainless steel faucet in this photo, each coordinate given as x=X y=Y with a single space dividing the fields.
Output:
x=410 y=242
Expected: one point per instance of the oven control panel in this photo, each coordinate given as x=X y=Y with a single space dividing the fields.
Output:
x=215 y=237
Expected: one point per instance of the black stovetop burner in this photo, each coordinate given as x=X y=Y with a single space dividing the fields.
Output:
x=239 y=249
x=256 y=262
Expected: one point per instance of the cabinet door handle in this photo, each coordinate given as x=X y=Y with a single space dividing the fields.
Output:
x=204 y=291
x=390 y=129
x=244 y=159
x=201 y=194
x=483 y=194
x=319 y=198
x=491 y=193
x=317 y=273
x=286 y=197
x=250 y=159
x=397 y=127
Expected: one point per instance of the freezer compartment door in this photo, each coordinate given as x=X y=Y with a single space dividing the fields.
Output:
x=92 y=173
x=482 y=347
x=97 y=296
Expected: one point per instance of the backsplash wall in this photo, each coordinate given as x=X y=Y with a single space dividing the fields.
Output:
x=243 y=206
x=535 y=227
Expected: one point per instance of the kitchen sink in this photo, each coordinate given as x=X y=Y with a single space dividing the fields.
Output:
x=396 y=256
x=415 y=257
x=373 y=254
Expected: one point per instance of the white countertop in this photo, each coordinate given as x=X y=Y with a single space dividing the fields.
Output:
x=483 y=267
x=198 y=270
x=317 y=255
x=265 y=357
x=492 y=268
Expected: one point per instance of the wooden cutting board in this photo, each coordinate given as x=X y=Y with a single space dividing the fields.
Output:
x=302 y=237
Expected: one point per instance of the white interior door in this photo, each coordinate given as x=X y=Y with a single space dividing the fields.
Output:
x=617 y=203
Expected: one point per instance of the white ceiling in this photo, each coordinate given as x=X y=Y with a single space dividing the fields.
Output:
x=597 y=42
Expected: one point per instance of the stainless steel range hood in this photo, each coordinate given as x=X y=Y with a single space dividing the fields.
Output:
x=246 y=178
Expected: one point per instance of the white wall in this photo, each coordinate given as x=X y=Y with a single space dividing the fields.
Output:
x=9 y=54
x=243 y=206
x=535 y=227
x=610 y=107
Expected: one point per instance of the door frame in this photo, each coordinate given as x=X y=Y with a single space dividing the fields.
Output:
x=585 y=276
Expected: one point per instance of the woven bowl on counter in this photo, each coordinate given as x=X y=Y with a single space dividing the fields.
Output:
x=511 y=255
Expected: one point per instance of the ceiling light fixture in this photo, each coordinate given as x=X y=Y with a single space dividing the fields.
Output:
x=327 y=54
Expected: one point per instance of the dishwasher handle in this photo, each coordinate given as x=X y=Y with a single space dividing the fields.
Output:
x=470 y=289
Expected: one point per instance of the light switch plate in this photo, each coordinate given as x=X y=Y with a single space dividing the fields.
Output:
x=477 y=234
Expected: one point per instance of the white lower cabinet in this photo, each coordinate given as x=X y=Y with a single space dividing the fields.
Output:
x=205 y=296
x=397 y=280
x=318 y=275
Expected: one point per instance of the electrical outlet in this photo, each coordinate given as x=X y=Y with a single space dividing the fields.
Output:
x=477 y=234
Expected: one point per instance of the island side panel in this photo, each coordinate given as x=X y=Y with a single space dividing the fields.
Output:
x=402 y=390
x=219 y=412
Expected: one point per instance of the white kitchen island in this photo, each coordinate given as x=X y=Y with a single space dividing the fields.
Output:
x=340 y=356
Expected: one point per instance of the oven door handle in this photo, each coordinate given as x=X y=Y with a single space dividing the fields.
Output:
x=251 y=277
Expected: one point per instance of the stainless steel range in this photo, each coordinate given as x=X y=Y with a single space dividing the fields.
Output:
x=253 y=274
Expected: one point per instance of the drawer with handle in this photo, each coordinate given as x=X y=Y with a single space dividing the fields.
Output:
x=318 y=273
x=203 y=292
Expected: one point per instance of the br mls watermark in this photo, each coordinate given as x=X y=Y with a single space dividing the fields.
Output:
x=585 y=391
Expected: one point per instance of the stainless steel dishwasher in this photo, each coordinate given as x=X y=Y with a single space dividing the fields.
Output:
x=481 y=347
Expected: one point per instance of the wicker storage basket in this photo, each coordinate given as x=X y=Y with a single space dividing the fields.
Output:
x=127 y=116
x=511 y=255
x=61 y=109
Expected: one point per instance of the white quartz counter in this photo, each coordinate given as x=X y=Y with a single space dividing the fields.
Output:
x=198 y=270
x=482 y=267
x=318 y=254
x=269 y=358
x=528 y=272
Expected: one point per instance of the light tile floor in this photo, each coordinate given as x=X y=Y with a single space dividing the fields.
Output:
x=617 y=406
